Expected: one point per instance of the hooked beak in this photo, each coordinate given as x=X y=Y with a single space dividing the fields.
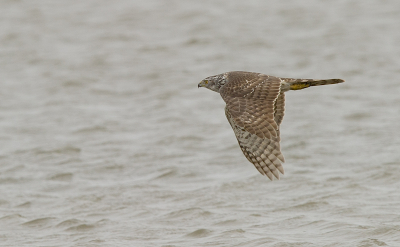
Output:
x=200 y=84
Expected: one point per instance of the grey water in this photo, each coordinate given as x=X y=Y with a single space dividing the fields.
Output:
x=105 y=139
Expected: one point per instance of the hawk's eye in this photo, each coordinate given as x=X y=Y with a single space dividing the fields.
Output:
x=206 y=81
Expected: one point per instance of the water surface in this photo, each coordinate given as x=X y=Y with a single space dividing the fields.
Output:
x=106 y=140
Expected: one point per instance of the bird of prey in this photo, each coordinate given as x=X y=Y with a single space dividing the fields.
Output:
x=255 y=105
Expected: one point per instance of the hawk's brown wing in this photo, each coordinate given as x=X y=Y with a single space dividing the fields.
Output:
x=251 y=110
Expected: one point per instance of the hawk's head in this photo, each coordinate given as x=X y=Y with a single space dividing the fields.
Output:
x=213 y=82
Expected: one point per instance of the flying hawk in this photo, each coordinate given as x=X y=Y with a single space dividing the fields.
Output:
x=255 y=105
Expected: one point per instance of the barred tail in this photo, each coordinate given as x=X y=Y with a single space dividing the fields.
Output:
x=297 y=84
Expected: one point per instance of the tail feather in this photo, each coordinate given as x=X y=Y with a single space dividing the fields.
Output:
x=297 y=84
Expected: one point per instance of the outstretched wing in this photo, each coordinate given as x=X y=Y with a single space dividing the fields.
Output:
x=253 y=112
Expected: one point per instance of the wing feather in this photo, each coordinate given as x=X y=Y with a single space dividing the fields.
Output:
x=254 y=109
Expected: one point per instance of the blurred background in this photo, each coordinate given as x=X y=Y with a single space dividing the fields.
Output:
x=107 y=141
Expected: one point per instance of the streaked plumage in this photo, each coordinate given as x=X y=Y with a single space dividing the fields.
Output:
x=255 y=105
